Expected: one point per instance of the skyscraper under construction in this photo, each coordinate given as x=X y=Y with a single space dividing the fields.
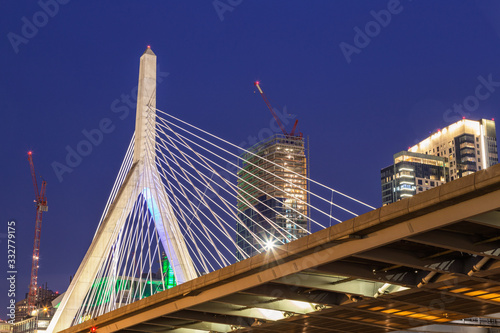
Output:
x=272 y=194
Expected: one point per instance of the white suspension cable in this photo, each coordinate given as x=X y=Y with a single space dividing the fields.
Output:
x=271 y=185
x=234 y=187
x=262 y=242
x=227 y=142
x=264 y=170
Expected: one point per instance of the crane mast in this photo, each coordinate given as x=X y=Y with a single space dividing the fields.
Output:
x=278 y=121
x=41 y=206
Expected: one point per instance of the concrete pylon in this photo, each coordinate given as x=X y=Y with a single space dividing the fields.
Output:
x=142 y=181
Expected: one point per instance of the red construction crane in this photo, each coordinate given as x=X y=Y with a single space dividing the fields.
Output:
x=41 y=206
x=278 y=121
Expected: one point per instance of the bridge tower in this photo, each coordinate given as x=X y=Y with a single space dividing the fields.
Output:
x=142 y=182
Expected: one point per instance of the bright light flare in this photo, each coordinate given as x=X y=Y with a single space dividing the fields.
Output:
x=269 y=245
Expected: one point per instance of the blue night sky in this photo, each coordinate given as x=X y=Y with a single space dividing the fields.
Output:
x=359 y=102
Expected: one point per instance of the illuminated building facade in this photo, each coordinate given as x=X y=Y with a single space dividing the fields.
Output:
x=44 y=297
x=5 y=327
x=455 y=151
x=410 y=174
x=271 y=196
x=469 y=146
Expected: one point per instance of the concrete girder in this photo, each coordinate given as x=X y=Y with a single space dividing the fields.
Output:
x=354 y=287
x=457 y=242
x=447 y=265
x=298 y=294
x=208 y=317
x=323 y=297
x=406 y=278
x=409 y=259
x=195 y=326
x=248 y=302
x=490 y=219
x=263 y=302
x=261 y=314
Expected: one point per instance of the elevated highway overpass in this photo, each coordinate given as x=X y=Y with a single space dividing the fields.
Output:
x=426 y=261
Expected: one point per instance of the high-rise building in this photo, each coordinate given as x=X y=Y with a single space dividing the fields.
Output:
x=272 y=198
x=469 y=146
x=410 y=174
x=455 y=151
x=43 y=298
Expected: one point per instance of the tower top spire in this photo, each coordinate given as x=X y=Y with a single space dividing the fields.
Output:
x=146 y=104
x=149 y=51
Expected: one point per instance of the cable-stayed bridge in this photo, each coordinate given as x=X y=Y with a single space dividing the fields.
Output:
x=164 y=257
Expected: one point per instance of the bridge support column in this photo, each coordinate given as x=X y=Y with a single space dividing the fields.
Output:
x=143 y=182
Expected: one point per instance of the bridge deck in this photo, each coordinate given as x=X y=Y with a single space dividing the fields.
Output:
x=429 y=259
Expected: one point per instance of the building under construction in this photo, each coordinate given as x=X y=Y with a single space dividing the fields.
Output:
x=272 y=194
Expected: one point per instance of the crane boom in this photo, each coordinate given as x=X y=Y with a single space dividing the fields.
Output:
x=278 y=121
x=41 y=206
x=33 y=175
